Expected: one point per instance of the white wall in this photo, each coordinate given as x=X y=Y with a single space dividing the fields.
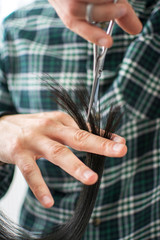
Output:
x=8 y=6
x=11 y=203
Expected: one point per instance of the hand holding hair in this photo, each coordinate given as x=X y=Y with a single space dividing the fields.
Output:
x=31 y=136
x=73 y=15
x=49 y=133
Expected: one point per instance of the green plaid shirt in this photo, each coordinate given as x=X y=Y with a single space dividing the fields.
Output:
x=35 y=41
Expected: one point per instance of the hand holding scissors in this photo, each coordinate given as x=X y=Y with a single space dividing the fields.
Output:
x=73 y=14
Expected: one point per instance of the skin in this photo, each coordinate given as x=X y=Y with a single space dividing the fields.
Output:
x=73 y=14
x=31 y=136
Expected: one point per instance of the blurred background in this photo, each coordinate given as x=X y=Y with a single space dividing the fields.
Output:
x=11 y=203
x=8 y=6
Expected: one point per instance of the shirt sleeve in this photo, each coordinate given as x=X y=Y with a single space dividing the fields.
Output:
x=6 y=176
x=138 y=80
x=6 y=105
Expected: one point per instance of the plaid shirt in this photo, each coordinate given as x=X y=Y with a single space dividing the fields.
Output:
x=36 y=42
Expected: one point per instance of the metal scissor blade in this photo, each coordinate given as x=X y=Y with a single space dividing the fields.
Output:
x=93 y=94
x=95 y=81
x=97 y=70
x=99 y=59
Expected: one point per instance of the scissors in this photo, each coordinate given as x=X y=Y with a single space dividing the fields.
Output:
x=98 y=63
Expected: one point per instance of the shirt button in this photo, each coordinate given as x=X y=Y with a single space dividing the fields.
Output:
x=96 y=222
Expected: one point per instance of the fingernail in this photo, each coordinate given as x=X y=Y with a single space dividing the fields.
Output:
x=87 y=174
x=102 y=42
x=46 y=200
x=118 y=147
x=117 y=139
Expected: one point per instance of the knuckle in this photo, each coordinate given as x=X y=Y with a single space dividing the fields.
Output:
x=58 y=149
x=69 y=15
x=16 y=146
x=59 y=115
x=27 y=169
x=44 y=122
x=69 y=22
x=28 y=134
x=81 y=136
x=73 y=9
x=70 y=8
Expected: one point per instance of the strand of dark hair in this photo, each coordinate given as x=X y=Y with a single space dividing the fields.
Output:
x=75 y=227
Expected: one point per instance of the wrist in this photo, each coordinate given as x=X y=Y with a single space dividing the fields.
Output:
x=2 y=114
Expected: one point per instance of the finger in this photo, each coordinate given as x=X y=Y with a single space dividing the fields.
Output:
x=107 y=12
x=100 y=12
x=122 y=12
x=63 y=157
x=92 y=33
x=52 y=119
x=96 y=1
x=130 y=22
x=117 y=138
x=32 y=174
x=114 y=137
x=66 y=119
x=85 y=141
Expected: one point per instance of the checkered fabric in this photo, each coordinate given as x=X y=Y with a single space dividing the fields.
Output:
x=35 y=42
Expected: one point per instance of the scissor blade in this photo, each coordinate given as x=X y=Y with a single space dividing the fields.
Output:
x=94 y=93
x=97 y=69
